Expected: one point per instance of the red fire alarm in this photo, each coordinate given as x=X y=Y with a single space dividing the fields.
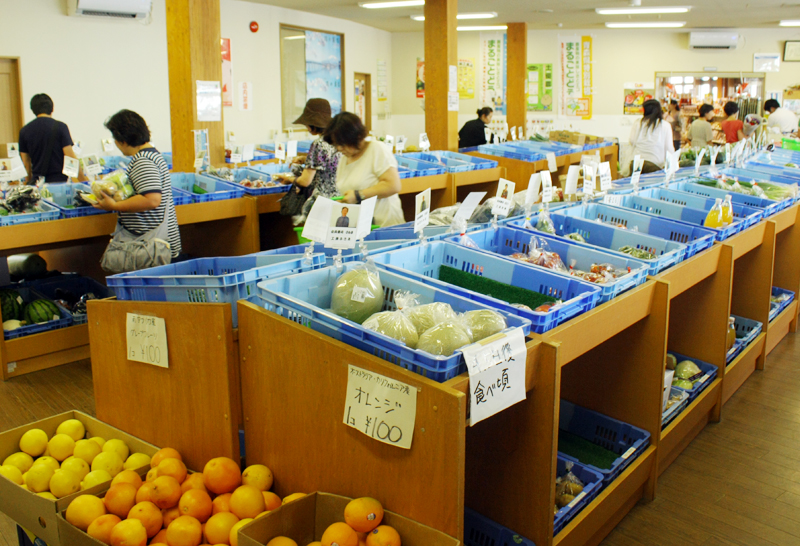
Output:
x=253 y=26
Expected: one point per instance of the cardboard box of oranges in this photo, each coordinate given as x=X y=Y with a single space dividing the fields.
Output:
x=306 y=519
x=37 y=513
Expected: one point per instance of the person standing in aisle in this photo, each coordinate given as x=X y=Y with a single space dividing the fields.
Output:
x=367 y=169
x=700 y=133
x=733 y=127
x=473 y=133
x=782 y=118
x=676 y=121
x=44 y=142
x=651 y=138
x=148 y=216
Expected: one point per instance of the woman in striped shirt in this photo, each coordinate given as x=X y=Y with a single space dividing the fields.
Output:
x=149 y=176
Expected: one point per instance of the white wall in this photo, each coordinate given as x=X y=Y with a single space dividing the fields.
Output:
x=91 y=67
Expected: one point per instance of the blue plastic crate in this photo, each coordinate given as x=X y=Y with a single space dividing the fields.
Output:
x=244 y=173
x=708 y=370
x=691 y=186
x=695 y=238
x=748 y=175
x=508 y=240
x=271 y=168
x=423 y=262
x=348 y=255
x=167 y=159
x=669 y=415
x=450 y=165
x=180 y=197
x=597 y=235
x=747 y=330
x=783 y=305
x=592 y=486
x=49 y=212
x=258 y=155
x=406 y=231
x=216 y=188
x=28 y=295
x=760 y=165
x=64 y=196
x=53 y=288
x=510 y=152
x=744 y=214
x=419 y=167
x=403 y=172
x=305 y=298
x=481 y=531
x=625 y=440
x=533 y=146
x=209 y=280
x=478 y=163
x=116 y=161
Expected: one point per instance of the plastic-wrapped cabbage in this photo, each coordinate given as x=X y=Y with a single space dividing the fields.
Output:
x=395 y=325
x=687 y=370
x=444 y=338
x=484 y=323
x=424 y=317
x=115 y=185
x=358 y=294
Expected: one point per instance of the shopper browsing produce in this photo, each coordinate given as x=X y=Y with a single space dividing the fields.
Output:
x=473 y=133
x=676 y=121
x=367 y=169
x=44 y=142
x=700 y=133
x=651 y=137
x=147 y=231
x=782 y=118
x=733 y=127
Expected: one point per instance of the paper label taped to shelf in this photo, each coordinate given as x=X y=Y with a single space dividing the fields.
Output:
x=496 y=367
x=552 y=166
x=703 y=379
x=380 y=407
x=577 y=499
x=628 y=453
x=147 y=339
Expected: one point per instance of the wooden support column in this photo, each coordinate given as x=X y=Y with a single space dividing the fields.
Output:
x=441 y=52
x=194 y=53
x=517 y=75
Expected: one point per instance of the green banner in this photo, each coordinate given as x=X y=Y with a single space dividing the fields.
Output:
x=540 y=87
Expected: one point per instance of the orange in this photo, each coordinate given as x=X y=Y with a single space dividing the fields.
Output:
x=234 y=536
x=184 y=531
x=152 y=474
x=363 y=514
x=170 y=515
x=315 y=543
x=222 y=475
x=247 y=502
x=218 y=528
x=101 y=528
x=271 y=500
x=221 y=504
x=130 y=532
x=281 y=541
x=165 y=492
x=259 y=476
x=143 y=494
x=120 y=499
x=150 y=516
x=128 y=476
x=339 y=534
x=196 y=503
x=193 y=481
x=172 y=467
x=160 y=538
x=164 y=453
x=293 y=497
x=84 y=510
x=383 y=536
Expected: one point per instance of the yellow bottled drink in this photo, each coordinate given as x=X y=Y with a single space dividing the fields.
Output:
x=727 y=211
x=714 y=216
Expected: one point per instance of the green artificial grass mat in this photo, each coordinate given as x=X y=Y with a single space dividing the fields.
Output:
x=488 y=287
x=585 y=451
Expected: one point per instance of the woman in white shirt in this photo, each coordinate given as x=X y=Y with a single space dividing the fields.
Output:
x=367 y=169
x=651 y=138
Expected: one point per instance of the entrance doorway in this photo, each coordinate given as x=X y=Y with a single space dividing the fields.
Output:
x=363 y=99
x=10 y=102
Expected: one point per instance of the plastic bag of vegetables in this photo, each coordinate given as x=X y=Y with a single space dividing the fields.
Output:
x=358 y=293
x=115 y=185
x=21 y=199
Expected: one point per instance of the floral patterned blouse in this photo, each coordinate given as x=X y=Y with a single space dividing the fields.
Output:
x=323 y=158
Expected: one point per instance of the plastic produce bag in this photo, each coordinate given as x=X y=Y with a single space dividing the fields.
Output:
x=20 y=199
x=445 y=338
x=358 y=293
x=484 y=323
x=426 y=316
x=443 y=216
x=568 y=487
x=460 y=226
x=540 y=254
x=394 y=324
x=115 y=185
x=545 y=223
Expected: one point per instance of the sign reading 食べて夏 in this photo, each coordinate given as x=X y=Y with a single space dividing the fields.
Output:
x=576 y=76
x=493 y=57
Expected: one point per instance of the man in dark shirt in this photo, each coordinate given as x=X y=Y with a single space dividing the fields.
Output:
x=343 y=220
x=44 y=142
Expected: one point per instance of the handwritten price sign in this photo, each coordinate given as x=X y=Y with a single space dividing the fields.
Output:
x=147 y=340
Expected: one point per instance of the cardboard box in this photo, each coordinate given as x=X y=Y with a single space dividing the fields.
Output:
x=37 y=514
x=305 y=519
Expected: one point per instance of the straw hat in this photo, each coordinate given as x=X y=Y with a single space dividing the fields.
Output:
x=317 y=113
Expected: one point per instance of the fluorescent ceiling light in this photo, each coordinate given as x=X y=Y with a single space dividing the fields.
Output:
x=301 y=37
x=642 y=11
x=674 y=24
x=397 y=4
x=487 y=15
x=497 y=27
x=789 y=24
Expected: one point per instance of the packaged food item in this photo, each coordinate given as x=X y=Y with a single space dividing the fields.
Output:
x=115 y=185
x=638 y=253
x=568 y=487
x=426 y=316
x=730 y=339
x=445 y=338
x=727 y=211
x=21 y=199
x=394 y=324
x=714 y=216
x=358 y=293
x=544 y=223
x=484 y=323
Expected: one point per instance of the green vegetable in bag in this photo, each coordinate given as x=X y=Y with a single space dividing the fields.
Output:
x=484 y=323
x=443 y=339
x=357 y=295
x=395 y=325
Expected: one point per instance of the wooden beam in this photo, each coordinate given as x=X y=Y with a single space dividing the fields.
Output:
x=441 y=52
x=517 y=75
x=194 y=54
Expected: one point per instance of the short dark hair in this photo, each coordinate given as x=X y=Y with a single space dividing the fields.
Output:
x=485 y=111
x=771 y=103
x=674 y=102
x=731 y=108
x=345 y=129
x=42 y=104
x=128 y=127
x=314 y=130
x=705 y=109
x=345 y=209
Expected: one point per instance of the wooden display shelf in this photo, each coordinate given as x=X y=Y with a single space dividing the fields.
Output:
x=46 y=350
x=475 y=181
x=442 y=192
x=685 y=275
x=781 y=326
x=251 y=163
x=742 y=367
x=270 y=202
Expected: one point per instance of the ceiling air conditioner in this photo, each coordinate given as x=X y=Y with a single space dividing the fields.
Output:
x=120 y=9
x=713 y=40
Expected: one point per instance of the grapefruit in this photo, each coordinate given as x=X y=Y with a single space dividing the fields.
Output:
x=247 y=502
x=130 y=532
x=218 y=528
x=149 y=515
x=84 y=510
x=222 y=475
x=101 y=528
x=119 y=499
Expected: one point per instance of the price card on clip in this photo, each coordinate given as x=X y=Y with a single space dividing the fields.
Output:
x=400 y=144
x=291 y=149
x=380 y=407
x=280 y=150
x=699 y=161
x=533 y=189
x=589 y=185
x=573 y=173
x=108 y=145
x=502 y=202
x=605 y=176
x=496 y=367
x=147 y=339
x=727 y=154
x=469 y=205
x=513 y=133
x=424 y=143
x=551 y=162
x=615 y=200
x=547 y=187
x=637 y=170
x=422 y=206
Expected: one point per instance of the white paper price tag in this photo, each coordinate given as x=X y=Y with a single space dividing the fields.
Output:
x=534 y=184
x=400 y=144
x=703 y=379
x=12 y=149
x=422 y=207
x=71 y=167
x=147 y=340
x=488 y=134
x=727 y=154
x=469 y=205
x=628 y=453
x=589 y=184
x=547 y=187
x=76 y=147
x=496 y=369
x=199 y=162
x=424 y=143
x=92 y=168
x=605 y=176
x=291 y=149
x=613 y=200
x=513 y=133
x=551 y=162
x=577 y=499
x=359 y=294
x=699 y=161
x=108 y=145
x=502 y=202
x=280 y=150
x=236 y=158
x=390 y=142
x=248 y=152
x=573 y=173
x=380 y=407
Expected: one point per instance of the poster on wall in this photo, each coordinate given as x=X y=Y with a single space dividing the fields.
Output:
x=324 y=68
x=466 y=78
x=227 y=73
x=493 y=85
x=636 y=93
x=420 y=78
x=245 y=96
x=209 y=101
x=383 y=81
x=540 y=87
x=576 y=76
